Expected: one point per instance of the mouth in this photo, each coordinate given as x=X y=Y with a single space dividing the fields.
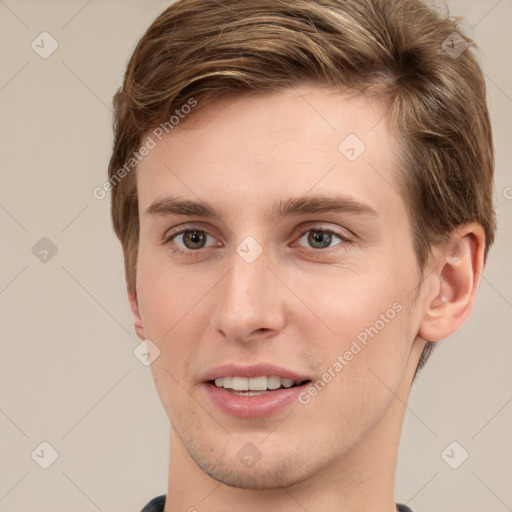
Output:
x=253 y=391
x=254 y=386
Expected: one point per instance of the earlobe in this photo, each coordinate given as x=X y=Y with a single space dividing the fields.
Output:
x=137 y=321
x=455 y=280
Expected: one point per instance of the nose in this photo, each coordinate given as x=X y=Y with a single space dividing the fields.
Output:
x=250 y=302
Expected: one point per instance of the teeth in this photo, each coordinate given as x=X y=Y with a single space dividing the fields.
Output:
x=226 y=381
x=258 y=383
x=254 y=383
x=240 y=384
x=274 y=382
x=287 y=383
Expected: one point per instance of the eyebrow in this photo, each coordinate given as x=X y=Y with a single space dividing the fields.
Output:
x=293 y=206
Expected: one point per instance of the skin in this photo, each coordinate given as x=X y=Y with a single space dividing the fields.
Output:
x=297 y=305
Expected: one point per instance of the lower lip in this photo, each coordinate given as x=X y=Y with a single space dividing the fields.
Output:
x=257 y=406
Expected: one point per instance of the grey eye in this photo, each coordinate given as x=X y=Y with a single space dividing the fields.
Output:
x=319 y=239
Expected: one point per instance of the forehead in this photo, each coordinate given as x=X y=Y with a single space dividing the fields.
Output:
x=265 y=148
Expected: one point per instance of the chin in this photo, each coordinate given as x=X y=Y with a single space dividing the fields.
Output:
x=273 y=467
x=266 y=476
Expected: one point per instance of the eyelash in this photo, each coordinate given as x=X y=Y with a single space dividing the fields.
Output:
x=344 y=240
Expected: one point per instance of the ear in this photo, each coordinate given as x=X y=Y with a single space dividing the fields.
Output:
x=453 y=283
x=137 y=322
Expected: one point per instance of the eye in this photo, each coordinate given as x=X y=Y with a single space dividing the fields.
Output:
x=192 y=239
x=320 y=239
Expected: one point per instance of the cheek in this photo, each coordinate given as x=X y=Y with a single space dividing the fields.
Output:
x=166 y=295
x=174 y=307
x=363 y=365
x=368 y=310
x=171 y=312
x=350 y=300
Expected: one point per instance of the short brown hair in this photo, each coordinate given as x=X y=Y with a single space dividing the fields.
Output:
x=205 y=49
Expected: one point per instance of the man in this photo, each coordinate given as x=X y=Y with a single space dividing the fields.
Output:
x=303 y=192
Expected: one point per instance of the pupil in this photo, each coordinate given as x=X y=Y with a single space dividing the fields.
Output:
x=194 y=239
x=319 y=239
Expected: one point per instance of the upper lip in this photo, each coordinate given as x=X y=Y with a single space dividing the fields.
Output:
x=252 y=370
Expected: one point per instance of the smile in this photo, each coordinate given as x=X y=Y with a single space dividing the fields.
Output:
x=255 y=385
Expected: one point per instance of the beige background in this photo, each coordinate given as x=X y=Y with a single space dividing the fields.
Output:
x=67 y=370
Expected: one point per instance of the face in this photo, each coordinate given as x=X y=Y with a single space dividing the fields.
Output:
x=277 y=277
